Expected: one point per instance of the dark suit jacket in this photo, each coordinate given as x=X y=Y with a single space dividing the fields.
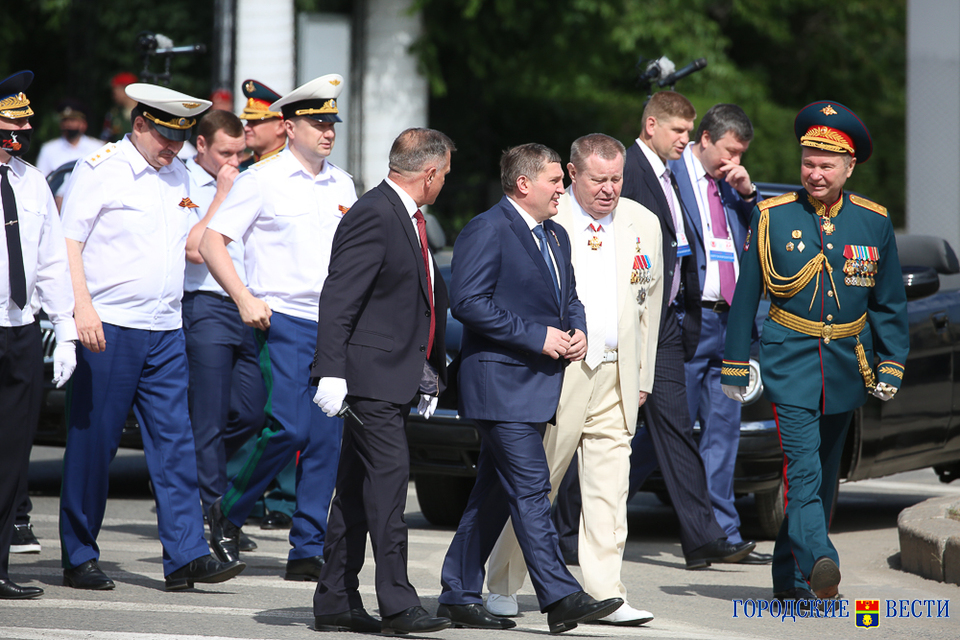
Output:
x=736 y=210
x=501 y=291
x=374 y=308
x=640 y=183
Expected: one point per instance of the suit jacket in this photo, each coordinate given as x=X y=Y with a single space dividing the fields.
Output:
x=641 y=184
x=636 y=233
x=374 y=308
x=736 y=209
x=501 y=291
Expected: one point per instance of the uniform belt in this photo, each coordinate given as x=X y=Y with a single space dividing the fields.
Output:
x=822 y=330
x=610 y=355
x=210 y=294
x=717 y=306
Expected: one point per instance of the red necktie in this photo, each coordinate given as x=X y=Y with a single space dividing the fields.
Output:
x=422 y=231
x=718 y=223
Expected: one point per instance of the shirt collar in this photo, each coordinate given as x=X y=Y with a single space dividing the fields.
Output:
x=137 y=162
x=652 y=158
x=584 y=219
x=408 y=202
x=526 y=217
x=198 y=174
x=17 y=166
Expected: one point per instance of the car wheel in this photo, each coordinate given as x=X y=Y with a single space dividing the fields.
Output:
x=769 y=506
x=442 y=498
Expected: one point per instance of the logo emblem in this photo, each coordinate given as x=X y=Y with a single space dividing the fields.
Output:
x=190 y=105
x=868 y=613
x=828 y=111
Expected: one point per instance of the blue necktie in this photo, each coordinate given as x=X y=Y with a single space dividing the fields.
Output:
x=545 y=252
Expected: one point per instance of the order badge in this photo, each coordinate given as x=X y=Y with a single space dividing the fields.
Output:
x=720 y=250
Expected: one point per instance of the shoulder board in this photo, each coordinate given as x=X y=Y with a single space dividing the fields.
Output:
x=340 y=170
x=868 y=204
x=263 y=162
x=101 y=154
x=777 y=201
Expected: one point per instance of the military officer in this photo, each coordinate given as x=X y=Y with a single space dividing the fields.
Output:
x=126 y=218
x=828 y=260
x=286 y=210
x=263 y=128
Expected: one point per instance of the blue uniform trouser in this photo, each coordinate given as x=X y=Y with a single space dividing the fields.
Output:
x=812 y=446
x=513 y=479
x=294 y=423
x=719 y=420
x=226 y=393
x=148 y=370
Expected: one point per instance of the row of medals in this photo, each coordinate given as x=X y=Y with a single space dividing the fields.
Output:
x=642 y=277
x=859 y=273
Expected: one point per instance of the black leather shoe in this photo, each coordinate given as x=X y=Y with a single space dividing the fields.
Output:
x=804 y=597
x=11 y=591
x=245 y=543
x=224 y=535
x=87 y=576
x=304 y=569
x=719 y=551
x=825 y=578
x=276 y=520
x=473 y=616
x=578 y=607
x=206 y=569
x=413 y=620
x=755 y=557
x=357 y=620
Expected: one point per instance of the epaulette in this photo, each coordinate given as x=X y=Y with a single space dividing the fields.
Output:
x=868 y=204
x=778 y=200
x=101 y=154
x=257 y=165
x=340 y=170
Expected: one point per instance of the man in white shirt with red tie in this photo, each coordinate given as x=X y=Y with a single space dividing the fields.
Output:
x=717 y=192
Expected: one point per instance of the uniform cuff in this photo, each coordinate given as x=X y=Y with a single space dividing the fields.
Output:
x=891 y=373
x=66 y=331
x=736 y=374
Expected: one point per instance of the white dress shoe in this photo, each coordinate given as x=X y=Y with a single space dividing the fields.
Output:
x=627 y=616
x=501 y=605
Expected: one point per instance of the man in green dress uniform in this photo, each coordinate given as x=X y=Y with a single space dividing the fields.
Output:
x=828 y=260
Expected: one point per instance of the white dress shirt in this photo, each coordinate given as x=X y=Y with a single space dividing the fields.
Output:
x=134 y=229
x=203 y=188
x=598 y=292
x=45 y=264
x=531 y=224
x=57 y=152
x=286 y=219
x=411 y=208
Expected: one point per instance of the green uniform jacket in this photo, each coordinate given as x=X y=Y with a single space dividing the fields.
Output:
x=800 y=369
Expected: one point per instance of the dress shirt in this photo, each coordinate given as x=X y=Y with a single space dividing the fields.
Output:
x=203 y=188
x=531 y=223
x=55 y=153
x=598 y=291
x=711 y=283
x=286 y=219
x=676 y=211
x=412 y=208
x=45 y=264
x=134 y=229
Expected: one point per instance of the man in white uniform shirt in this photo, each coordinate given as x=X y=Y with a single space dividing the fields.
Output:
x=33 y=270
x=286 y=210
x=126 y=218
x=73 y=143
x=226 y=389
x=618 y=266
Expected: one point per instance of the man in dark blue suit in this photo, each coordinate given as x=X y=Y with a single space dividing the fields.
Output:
x=513 y=289
x=667 y=122
x=717 y=192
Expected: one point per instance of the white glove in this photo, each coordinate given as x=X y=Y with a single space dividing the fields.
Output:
x=428 y=404
x=64 y=362
x=884 y=391
x=733 y=392
x=330 y=395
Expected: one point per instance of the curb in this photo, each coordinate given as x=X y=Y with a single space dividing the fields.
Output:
x=930 y=540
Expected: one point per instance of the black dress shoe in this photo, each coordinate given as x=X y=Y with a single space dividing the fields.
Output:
x=276 y=520
x=224 y=535
x=804 y=597
x=473 y=616
x=578 y=607
x=304 y=569
x=245 y=543
x=11 y=591
x=719 y=551
x=413 y=620
x=357 y=620
x=87 y=576
x=206 y=569
x=825 y=578
x=755 y=557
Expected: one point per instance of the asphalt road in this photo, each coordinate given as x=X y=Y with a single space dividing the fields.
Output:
x=260 y=604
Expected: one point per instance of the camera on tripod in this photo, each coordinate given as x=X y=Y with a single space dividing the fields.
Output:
x=151 y=44
x=663 y=72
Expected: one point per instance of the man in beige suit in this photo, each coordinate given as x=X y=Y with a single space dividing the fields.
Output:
x=618 y=266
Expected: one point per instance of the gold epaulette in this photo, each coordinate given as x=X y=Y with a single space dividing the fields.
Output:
x=778 y=200
x=257 y=165
x=868 y=204
x=101 y=154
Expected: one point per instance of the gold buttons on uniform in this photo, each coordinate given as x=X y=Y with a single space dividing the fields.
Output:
x=829 y=245
x=829 y=317
x=830 y=293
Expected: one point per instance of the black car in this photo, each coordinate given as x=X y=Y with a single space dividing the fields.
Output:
x=914 y=431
